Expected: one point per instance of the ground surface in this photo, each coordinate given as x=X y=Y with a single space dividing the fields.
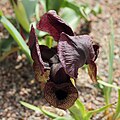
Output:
x=17 y=79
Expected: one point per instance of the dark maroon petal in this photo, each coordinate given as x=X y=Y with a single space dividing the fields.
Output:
x=58 y=75
x=96 y=49
x=61 y=96
x=74 y=52
x=47 y=53
x=50 y=22
x=92 y=71
x=38 y=63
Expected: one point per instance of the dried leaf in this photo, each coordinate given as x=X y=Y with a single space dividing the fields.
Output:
x=92 y=71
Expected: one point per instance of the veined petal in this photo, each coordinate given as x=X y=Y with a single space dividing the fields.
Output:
x=50 y=22
x=61 y=96
x=38 y=63
x=74 y=52
x=58 y=74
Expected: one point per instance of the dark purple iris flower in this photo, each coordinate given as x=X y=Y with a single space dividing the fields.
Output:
x=63 y=61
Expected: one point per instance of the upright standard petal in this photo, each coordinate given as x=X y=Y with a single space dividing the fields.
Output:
x=50 y=22
x=38 y=64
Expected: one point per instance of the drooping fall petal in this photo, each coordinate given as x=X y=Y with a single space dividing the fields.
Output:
x=61 y=96
x=38 y=64
x=74 y=52
x=50 y=22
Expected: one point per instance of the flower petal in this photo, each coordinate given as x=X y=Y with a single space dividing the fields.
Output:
x=38 y=64
x=92 y=71
x=50 y=22
x=58 y=75
x=74 y=52
x=48 y=53
x=96 y=49
x=61 y=96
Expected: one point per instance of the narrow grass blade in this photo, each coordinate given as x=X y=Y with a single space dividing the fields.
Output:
x=107 y=91
x=49 y=114
x=117 y=112
x=108 y=85
x=16 y=35
x=90 y=113
x=64 y=118
x=32 y=107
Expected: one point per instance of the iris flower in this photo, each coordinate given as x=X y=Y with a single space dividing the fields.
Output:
x=62 y=61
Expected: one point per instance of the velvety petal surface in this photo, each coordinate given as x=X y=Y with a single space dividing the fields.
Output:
x=58 y=74
x=47 y=53
x=50 y=22
x=38 y=63
x=61 y=96
x=74 y=52
x=96 y=49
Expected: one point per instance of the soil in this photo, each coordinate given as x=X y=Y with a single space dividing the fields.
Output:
x=17 y=78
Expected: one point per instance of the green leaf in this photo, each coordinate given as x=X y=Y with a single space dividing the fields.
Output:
x=30 y=6
x=108 y=85
x=64 y=118
x=21 y=14
x=117 y=112
x=49 y=114
x=80 y=106
x=16 y=35
x=54 y=5
x=90 y=113
x=49 y=41
x=76 y=113
x=70 y=17
x=32 y=107
x=79 y=10
x=97 y=10
x=107 y=91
